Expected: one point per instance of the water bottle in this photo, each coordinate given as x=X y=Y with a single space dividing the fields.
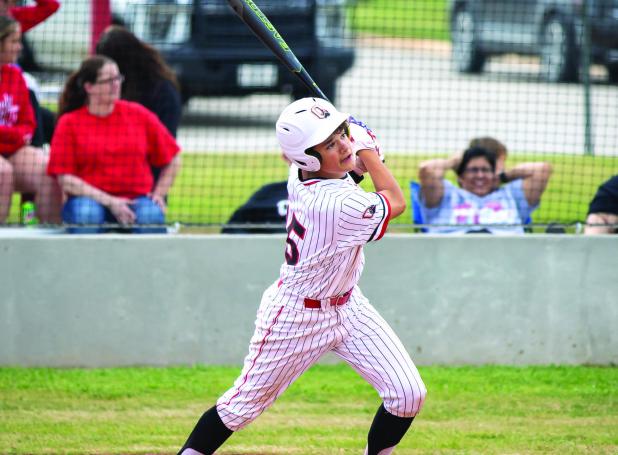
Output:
x=28 y=214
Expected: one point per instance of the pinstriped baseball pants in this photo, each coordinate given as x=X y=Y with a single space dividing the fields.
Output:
x=289 y=338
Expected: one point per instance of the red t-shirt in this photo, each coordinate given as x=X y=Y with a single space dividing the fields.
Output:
x=113 y=153
x=29 y=16
x=16 y=117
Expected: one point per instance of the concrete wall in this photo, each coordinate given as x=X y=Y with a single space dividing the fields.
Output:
x=131 y=300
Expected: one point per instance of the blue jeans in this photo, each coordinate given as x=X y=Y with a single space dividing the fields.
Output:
x=87 y=211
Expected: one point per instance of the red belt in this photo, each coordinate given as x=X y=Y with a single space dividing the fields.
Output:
x=312 y=303
x=339 y=300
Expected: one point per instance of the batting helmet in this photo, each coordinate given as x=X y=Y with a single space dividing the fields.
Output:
x=303 y=124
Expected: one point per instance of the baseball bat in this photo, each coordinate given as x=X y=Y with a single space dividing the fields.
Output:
x=259 y=24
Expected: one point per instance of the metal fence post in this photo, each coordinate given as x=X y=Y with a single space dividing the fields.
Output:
x=585 y=73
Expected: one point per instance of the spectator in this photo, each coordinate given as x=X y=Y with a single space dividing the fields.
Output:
x=498 y=149
x=22 y=166
x=148 y=79
x=477 y=201
x=28 y=17
x=603 y=209
x=267 y=206
x=102 y=152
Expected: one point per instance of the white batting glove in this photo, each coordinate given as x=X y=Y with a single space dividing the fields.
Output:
x=363 y=138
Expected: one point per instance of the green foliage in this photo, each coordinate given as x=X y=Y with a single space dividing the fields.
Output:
x=489 y=410
x=420 y=19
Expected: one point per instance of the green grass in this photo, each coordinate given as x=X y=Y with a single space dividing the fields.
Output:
x=421 y=19
x=211 y=186
x=469 y=410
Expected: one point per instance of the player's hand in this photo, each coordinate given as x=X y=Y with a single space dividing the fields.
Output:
x=121 y=209
x=362 y=138
x=360 y=167
x=366 y=155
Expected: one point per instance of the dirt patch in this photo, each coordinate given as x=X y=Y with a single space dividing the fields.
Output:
x=426 y=45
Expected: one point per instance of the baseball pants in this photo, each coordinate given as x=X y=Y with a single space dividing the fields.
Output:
x=289 y=338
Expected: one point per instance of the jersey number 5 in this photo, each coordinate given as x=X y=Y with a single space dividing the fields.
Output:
x=291 y=251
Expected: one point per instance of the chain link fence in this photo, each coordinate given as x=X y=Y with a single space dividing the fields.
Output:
x=426 y=76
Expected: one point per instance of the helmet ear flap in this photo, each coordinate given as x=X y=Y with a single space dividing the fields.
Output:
x=312 y=152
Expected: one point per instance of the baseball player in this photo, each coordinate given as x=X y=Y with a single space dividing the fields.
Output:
x=315 y=306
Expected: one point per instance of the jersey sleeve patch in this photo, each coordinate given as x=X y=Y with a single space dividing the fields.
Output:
x=362 y=219
x=369 y=211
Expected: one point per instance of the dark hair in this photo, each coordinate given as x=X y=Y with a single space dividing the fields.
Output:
x=141 y=64
x=8 y=25
x=74 y=95
x=489 y=143
x=476 y=152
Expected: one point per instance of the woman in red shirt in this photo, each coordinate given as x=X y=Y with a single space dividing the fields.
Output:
x=22 y=167
x=102 y=152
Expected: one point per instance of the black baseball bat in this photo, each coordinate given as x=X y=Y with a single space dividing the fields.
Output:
x=259 y=24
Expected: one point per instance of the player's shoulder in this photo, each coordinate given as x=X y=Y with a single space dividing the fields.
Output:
x=323 y=194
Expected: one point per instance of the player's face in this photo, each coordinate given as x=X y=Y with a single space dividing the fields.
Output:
x=10 y=47
x=337 y=155
x=478 y=177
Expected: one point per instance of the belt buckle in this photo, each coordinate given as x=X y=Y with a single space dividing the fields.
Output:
x=341 y=299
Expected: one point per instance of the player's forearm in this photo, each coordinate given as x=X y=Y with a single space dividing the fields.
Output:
x=384 y=181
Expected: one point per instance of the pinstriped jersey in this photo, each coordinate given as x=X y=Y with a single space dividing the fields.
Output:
x=328 y=222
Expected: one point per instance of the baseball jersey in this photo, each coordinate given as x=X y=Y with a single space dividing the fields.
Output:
x=462 y=210
x=328 y=222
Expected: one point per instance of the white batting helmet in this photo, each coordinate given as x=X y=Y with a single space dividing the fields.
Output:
x=303 y=124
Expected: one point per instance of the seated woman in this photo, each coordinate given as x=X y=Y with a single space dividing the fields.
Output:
x=22 y=166
x=477 y=200
x=148 y=79
x=102 y=151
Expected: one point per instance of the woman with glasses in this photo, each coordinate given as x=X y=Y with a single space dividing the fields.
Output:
x=149 y=80
x=102 y=152
x=22 y=166
x=478 y=204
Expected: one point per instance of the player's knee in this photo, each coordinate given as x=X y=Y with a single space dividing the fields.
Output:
x=234 y=419
x=408 y=402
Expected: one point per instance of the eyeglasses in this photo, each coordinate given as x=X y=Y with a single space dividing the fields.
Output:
x=479 y=170
x=111 y=80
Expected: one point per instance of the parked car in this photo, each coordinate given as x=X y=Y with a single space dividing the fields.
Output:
x=550 y=29
x=209 y=47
